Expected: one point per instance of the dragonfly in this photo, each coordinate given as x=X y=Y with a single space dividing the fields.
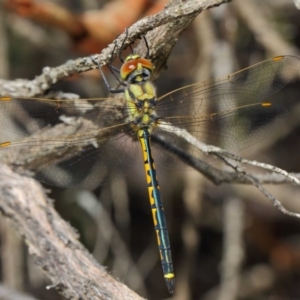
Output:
x=72 y=142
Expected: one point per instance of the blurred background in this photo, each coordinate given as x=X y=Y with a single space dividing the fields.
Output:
x=228 y=242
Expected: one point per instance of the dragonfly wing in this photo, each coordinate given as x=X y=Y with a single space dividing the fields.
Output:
x=234 y=112
x=234 y=129
x=94 y=165
x=71 y=151
x=25 y=116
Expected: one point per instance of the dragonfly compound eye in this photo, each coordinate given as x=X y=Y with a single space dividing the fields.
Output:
x=136 y=66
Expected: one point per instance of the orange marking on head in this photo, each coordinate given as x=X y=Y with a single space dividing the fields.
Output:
x=133 y=64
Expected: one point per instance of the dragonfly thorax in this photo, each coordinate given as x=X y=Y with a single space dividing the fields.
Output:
x=141 y=103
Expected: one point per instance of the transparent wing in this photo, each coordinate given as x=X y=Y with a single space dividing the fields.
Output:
x=234 y=112
x=25 y=116
x=67 y=142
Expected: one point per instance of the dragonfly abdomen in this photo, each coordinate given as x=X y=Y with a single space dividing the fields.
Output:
x=157 y=210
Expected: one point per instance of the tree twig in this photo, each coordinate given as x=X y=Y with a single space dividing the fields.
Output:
x=54 y=244
x=162 y=41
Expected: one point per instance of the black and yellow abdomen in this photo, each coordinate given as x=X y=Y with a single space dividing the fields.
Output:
x=141 y=100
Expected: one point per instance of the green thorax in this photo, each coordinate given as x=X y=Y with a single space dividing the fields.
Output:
x=140 y=93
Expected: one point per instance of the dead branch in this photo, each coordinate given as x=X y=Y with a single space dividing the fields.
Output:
x=162 y=40
x=54 y=243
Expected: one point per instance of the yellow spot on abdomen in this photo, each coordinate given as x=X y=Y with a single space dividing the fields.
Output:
x=158 y=241
x=154 y=216
x=169 y=275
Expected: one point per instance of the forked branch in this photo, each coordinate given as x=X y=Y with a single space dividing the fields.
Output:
x=228 y=158
x=162 y=38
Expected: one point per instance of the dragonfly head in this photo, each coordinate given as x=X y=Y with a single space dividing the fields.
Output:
x=136 y=69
